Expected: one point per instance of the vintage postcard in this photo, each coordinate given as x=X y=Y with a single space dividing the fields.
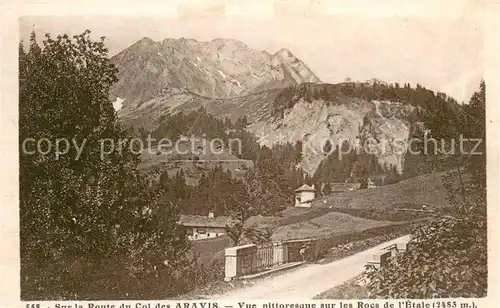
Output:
x=249 y=154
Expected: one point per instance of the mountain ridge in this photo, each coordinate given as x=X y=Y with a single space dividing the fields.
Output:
x=279 y=96
x=220 y=68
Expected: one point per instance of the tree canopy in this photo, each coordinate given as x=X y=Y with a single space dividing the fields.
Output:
x=83 y=213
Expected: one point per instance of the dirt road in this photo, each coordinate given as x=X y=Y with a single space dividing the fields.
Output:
x=309 y=280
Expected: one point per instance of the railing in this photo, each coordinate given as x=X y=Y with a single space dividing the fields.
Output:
x=247 y=259
x=265 y=256
x=270 y=255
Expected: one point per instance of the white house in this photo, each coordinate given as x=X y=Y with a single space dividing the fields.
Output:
x=200 y=227
x=371 y=184
x=304 y=195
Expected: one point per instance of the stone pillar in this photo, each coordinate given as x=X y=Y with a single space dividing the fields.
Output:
x=401 y=247
x=240 y=260
x=382 y=257
x=230 y=268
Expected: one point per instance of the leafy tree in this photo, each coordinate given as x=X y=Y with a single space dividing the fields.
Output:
x=84 y=208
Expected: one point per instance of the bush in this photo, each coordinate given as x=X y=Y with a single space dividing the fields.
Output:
x=80 y=279
x=447 y=258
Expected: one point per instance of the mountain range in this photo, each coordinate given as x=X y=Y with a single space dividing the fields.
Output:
x=220 y=68
x=282 y=99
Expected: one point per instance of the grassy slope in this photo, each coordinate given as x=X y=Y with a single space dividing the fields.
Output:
x=173 y=162
x=326 y=225
x=321 y=220
x=425 y=189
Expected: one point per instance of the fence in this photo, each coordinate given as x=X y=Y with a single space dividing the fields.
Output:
x=270 y=255
x=259 y=258
x=247 y=259
x=265 y=256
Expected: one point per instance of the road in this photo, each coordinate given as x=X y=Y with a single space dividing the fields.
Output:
x=309 y=280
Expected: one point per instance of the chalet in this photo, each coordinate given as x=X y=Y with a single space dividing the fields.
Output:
x=200 y=227
x=304 y=195
x=371 y=183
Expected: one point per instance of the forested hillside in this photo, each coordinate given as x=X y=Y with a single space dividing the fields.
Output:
x=280 y=163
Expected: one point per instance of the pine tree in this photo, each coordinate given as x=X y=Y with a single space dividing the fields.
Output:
x=251 y=202
x=327 y=189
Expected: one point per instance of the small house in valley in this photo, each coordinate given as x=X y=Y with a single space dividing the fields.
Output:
x=304 y=195
x=370 y=183
x=199 y=227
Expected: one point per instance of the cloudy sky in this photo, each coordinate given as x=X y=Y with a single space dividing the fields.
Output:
x=441 y=53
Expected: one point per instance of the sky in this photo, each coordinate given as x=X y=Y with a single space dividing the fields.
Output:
x=443 y=53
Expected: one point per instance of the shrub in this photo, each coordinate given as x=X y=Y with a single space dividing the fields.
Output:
x=447 y=258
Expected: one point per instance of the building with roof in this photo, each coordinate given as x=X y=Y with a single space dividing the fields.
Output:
x=370 y=183
x=304 y=195
x=199 y=227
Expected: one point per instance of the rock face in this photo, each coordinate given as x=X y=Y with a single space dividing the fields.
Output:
x=281 y=97
x=221 y=68
x=337 y=120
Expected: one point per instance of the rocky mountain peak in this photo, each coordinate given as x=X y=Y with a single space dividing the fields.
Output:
x=220 y=68
x=145 y=41
x=227 y=42
x=284 y=53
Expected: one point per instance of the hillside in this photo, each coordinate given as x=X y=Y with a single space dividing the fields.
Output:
x=192 y=164
x=316 y=114
x=425 y=189
x=326 y=225
x=365 y=209
x=280 y=97
x=255 y=106
x=293 y=114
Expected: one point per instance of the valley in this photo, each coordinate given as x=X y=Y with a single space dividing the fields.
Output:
x=205 y=163
x=345 y=214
